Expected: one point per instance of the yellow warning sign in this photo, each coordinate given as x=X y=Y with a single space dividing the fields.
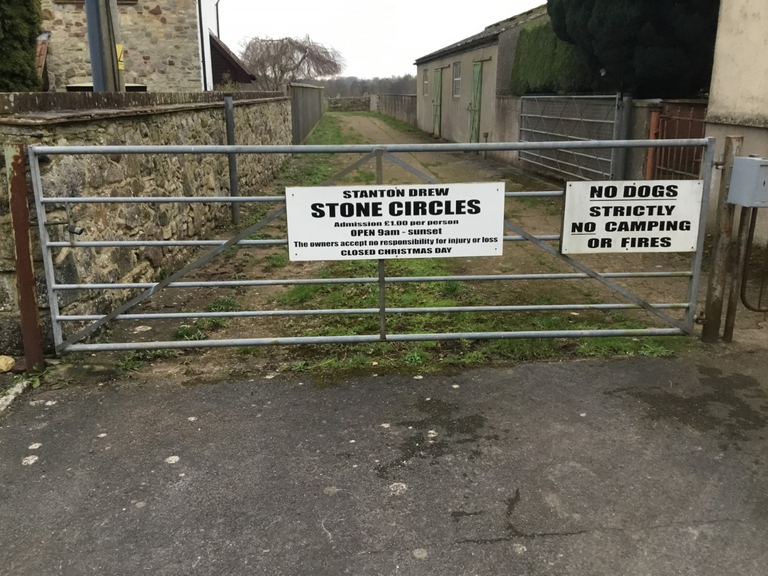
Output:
x=120 y=60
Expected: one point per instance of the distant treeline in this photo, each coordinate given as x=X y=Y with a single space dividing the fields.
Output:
x=347 y=86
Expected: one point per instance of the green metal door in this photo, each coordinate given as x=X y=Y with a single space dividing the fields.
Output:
x=437 y=102
x=474 y=106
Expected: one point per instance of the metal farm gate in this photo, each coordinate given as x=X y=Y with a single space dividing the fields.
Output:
x=680 y=119
x=74 y=332
x=572 y=119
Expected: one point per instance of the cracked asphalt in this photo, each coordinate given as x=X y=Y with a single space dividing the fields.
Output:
x=635 y=467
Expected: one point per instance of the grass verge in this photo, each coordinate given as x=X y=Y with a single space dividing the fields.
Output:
x=398 y=125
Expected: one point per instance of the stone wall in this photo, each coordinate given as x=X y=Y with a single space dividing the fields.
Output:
x=257 y=122
x=161 y=39
x=353 y=104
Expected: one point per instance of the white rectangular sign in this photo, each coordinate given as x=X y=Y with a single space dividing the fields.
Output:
x=643 y=216
x=356 y=222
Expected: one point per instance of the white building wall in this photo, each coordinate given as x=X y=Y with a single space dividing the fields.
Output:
x=209 y=25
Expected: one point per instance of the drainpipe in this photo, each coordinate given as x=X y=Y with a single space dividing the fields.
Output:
x=218 y=24
x=202 y=44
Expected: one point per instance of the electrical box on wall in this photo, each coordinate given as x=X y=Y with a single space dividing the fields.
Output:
x=749 y=182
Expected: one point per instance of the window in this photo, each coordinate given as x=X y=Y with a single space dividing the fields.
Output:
x=457 y=79
x=425 y=74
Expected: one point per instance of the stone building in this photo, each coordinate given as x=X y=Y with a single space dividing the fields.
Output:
x=169 y=45
x=457 y=85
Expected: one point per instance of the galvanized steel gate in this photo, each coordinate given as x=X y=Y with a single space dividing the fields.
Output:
x=74 y=341
x=571 y=119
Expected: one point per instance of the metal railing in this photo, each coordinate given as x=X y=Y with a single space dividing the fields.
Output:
x=73 y=342
x=575 y=119
x=680 y=120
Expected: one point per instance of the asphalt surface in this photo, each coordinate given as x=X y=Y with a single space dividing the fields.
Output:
x=634 y=467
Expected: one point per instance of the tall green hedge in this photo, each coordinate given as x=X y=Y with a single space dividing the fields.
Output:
x=546 y=64
x=20 y=22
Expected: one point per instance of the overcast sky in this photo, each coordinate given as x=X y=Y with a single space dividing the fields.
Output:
x=375 y=38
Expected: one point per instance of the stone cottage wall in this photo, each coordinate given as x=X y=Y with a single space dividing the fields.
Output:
x=160 y=37
x=257 y=122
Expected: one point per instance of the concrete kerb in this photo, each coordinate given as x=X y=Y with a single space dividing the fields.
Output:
x=12 y=393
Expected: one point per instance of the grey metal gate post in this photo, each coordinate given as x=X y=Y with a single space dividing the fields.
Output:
x=698 y=257
x=234 y=191
x=382 y=269
x=621 y=132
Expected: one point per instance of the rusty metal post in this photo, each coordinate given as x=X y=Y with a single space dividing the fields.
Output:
x=742 y=241
x=650 y=165
x=32 y=336
x=718 y=274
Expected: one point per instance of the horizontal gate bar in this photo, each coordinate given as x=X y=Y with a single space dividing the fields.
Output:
x=362 y=148
x=372 y=338
x=534 y=194
x=534 y=131
x=276 y=242
x=566 y=98
x=569 y=119
x=363 y=311
x=559 y=162
x=580 y=176
x=392 y=280
x=159 y=199
x=144 y=243
x=590 y=157
x=225 y=199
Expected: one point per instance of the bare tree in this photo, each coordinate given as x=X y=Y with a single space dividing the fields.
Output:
x=277 y=61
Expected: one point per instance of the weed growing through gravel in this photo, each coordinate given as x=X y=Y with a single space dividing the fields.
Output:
x=224 y=304
x=277 y=260
x=132 y=361
x=189 y=332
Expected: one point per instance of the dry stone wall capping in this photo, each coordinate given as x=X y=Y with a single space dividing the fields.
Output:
x=354 y=104
x=264 y=121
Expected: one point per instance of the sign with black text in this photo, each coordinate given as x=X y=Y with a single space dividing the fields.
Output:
x=644 y=216
x=357 y=222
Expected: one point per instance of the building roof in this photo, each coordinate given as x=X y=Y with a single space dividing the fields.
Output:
x=489 y=36
x=235 y=67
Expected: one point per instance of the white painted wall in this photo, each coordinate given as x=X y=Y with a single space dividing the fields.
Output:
x=739 y=93
x=738 y=103
x=207 y=18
